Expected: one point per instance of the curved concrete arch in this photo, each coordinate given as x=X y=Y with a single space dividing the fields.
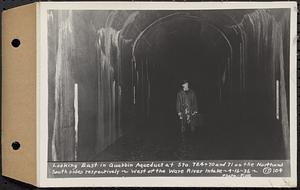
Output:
x=196 y=18
x=165 y=18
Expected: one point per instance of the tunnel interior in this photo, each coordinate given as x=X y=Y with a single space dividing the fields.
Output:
x=177 y=49
x=128 y=66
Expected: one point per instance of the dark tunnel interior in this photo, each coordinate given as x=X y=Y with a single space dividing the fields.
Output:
x=129 y=64
x=180 y=49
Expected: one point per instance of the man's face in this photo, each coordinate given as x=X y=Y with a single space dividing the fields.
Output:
x=185 y=86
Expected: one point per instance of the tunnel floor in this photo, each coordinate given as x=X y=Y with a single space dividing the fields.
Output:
x=208 y=142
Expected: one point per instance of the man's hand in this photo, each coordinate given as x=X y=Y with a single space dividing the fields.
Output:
x=180 y=115
x=194 y=113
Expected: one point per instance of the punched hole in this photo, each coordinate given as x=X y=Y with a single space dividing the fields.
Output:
x=15 y=145
x=15 y=43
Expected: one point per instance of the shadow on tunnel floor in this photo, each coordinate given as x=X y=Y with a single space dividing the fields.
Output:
x=212 y=140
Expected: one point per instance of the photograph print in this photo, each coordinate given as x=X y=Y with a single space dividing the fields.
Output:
x=168 y=85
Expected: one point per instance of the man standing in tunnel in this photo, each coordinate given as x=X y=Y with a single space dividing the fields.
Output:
x=186 y=106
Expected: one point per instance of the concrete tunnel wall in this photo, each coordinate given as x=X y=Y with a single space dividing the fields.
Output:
x=115 y=57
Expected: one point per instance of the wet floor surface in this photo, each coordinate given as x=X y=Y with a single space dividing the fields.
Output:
x=206 y=143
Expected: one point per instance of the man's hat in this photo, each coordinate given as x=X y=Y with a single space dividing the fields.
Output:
x=184 y=81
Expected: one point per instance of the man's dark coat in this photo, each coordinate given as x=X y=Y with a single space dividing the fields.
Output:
x=186 y=101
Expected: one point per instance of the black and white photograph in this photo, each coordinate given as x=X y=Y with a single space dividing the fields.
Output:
x=169 y=86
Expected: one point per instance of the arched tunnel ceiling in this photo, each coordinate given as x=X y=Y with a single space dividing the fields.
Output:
x=182 y=45
x=180 y=33
x=144 y=18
